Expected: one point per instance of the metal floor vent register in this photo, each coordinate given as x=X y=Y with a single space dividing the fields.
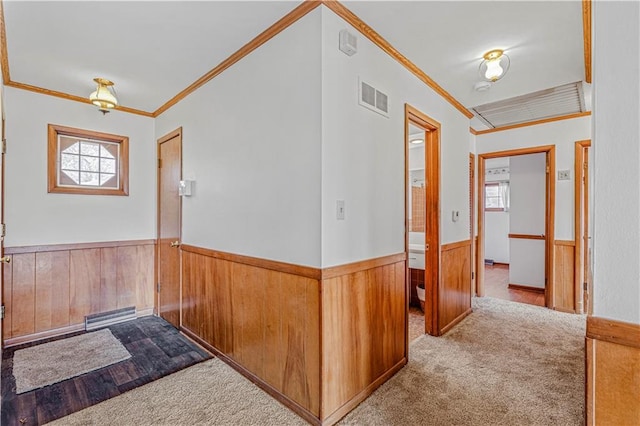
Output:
x=91 y=322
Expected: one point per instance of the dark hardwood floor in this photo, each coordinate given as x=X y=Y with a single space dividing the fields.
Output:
x=496 y=284
x=156 y=348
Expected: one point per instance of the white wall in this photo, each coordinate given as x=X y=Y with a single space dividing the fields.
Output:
x=563 y=134
x=35 y=217
x=496 y=224
x=616 y=146
x=363 y=152
x=251 y=141
x=527 y=216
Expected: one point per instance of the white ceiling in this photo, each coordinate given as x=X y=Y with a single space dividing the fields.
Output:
x=446 y=39
x=155 y=49
x=152 y=50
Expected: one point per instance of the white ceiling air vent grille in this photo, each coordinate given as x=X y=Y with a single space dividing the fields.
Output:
x=554 y=102
x=373 y=99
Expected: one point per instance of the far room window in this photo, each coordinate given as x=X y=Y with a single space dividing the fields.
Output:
x=496 y=196
x=87 y=162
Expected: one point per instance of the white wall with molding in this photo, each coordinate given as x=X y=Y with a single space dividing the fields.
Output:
x=363 y=152
x=36 y=217
x=251 y=143
x=563 y=134
x=616 y=146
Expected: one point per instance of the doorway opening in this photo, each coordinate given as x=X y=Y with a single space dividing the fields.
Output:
x=526 y=269
x=168 y=301
x=422 y=216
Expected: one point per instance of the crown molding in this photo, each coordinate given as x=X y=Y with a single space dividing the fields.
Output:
x=586 y=33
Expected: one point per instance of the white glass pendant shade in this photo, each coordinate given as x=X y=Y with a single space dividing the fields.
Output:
x=494 y=66
x=103 y=97
x=494 y=70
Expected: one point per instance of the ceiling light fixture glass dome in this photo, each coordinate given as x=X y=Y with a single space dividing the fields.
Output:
x=494 y=66
x=104 y=96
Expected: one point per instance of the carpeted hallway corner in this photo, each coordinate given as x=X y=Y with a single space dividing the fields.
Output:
x=506 y=364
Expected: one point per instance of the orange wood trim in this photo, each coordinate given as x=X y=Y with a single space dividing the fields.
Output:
x=519 y=151
x=362 y=395
x=170 y=135
x=52 y=158
x=473 y=131
x=363 y=265
x=273 y=265
x=453 y=323
x=480 y=183
x=535 y=123
x=69 y=97
x=580 y=204
x=75 y=246
x=526 y=288
x=527 y=237
x=550 y=206
x=43 y=335
x=4 y=56
x=433 y=268
x=565 y=243
x=458 y=244
x=613 y=331
x=590 y=379
x=59 y=331
x=262 y=38
x=500 y=263
x=342 y=11
x=586 y=33
x=550 y=218
x=280 y=397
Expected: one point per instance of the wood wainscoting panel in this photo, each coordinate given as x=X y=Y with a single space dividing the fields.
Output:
x=455 y=284
x=135 y=285
x=50 y=290
x=266 y=322
x=564 y=282
x=7 y=288
x=613 y=372
x=23 y=295
x=108 y=279
x=84 y=284
x=363 y=333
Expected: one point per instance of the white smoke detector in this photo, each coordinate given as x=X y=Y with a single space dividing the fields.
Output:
x=348 y=43
x=482 y=86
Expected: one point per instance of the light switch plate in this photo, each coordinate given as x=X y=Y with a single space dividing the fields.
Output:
x=340 y=209
x=564 y=174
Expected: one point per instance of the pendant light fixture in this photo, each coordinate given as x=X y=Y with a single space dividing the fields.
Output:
x=104 y=96
x=494 y=66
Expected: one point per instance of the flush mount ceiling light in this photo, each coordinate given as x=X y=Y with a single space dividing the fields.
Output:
x=104 y=97
x=494 y=66
x=416 y=141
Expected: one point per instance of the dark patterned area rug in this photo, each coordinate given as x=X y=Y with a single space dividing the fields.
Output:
x=157 y=349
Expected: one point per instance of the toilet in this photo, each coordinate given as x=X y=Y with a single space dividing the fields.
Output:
x=420 y=289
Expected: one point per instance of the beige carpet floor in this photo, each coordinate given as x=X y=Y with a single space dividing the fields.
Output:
x=41 y=365
x=506 y=364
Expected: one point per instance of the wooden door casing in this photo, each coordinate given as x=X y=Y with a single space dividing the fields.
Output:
x=169 y=227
